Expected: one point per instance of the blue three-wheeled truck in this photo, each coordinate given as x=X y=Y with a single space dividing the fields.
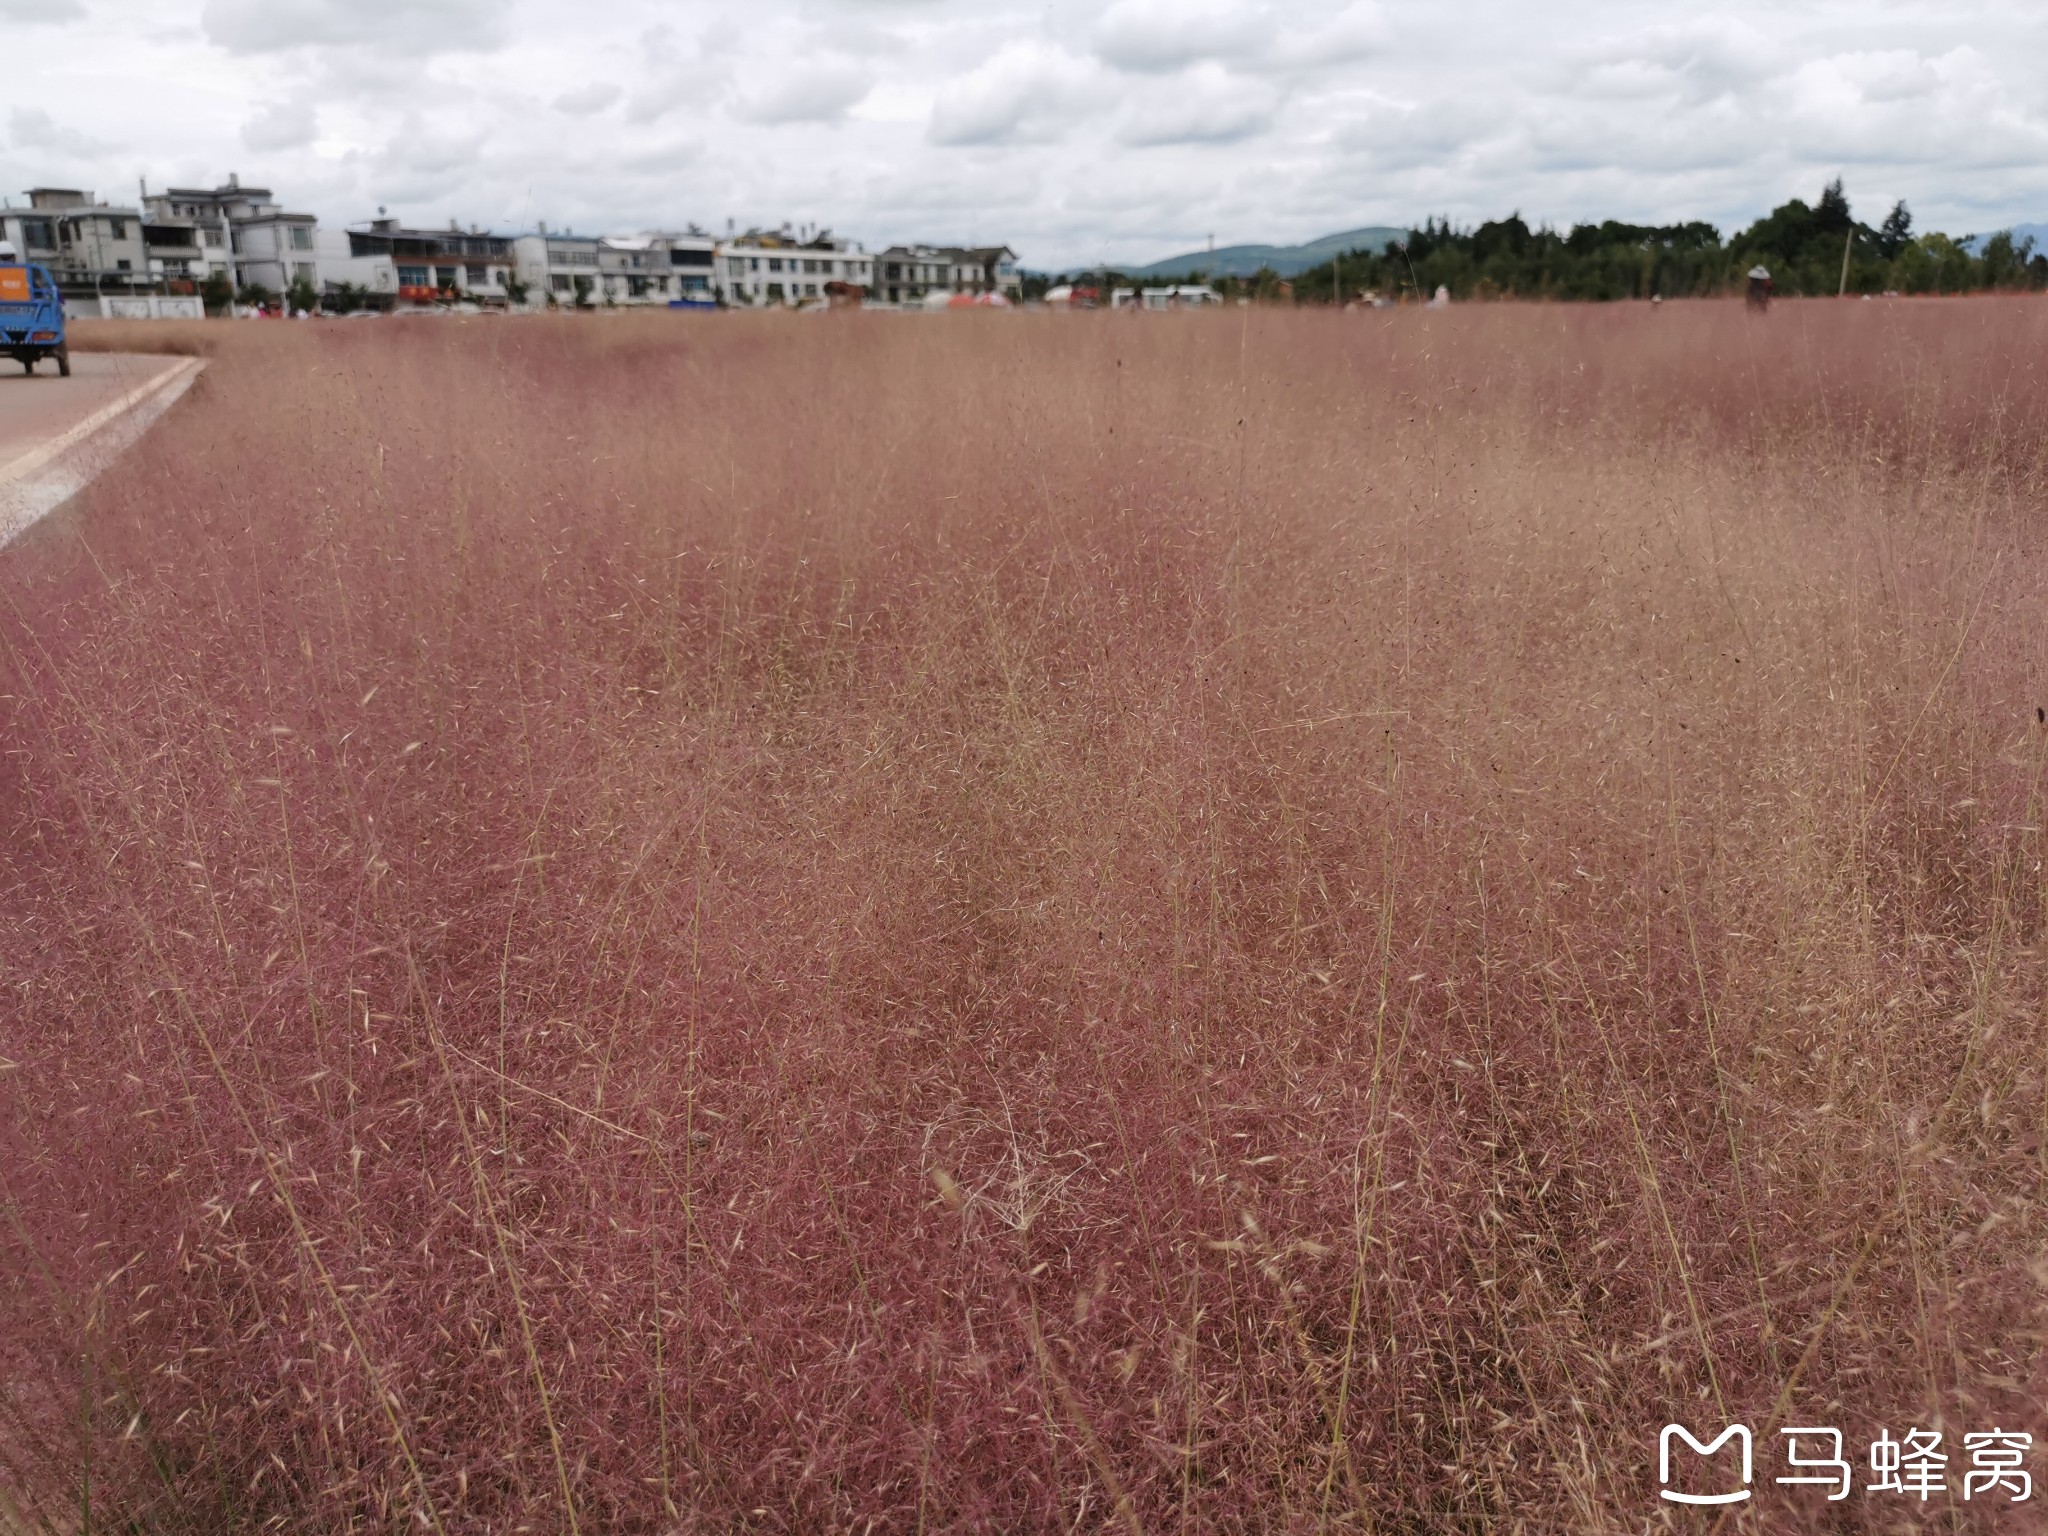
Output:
x=31 y=314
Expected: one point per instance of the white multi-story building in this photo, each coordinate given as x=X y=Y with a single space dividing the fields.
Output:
x=172 y=240
x=628 y=271
x=557 y=268
x=183 y=251
x=188 y=240
x=994 y=269
x=421 y=266
x=693 y=262
x=904 y=274
x=276 y=251
x=87 y=244
x=346 y=259
x=243 y=231
x=637 y=269
x=758 y=269
x=614 y=271
x=907 y=274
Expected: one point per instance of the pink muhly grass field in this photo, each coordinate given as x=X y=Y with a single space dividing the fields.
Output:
x=1264 y=921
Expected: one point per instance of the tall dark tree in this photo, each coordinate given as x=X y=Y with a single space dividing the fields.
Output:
x=1832 y=216
x=1896 y=232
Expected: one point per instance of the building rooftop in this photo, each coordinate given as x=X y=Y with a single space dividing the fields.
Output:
x=232 y=186
x=782 y=239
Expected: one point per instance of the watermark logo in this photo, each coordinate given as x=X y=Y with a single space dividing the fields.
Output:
x=1735 y=1432
x=1833 y=1471
x=1913 y=1467
x=1996 y=1456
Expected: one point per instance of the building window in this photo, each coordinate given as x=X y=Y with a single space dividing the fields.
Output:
x=302 y=238
x=117 y=228
x=445 y=277
x=775 y=264
x=121 y=265
x=559 y=282
x=412 y=277
x=302 y=272
x=478 y=273
x=735 y=265
x=775 y=293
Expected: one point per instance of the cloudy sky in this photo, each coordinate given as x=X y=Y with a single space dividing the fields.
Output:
x=1078 y=131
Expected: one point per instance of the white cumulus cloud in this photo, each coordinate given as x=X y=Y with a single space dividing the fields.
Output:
x=1206 y=105
x=1076 y=130
x=282 y=125
x=1026 y=92
x=35 y=129
x=386 y=26
x=1165 y=35
x=588 y=99
x=813 y=91
x=28 y=13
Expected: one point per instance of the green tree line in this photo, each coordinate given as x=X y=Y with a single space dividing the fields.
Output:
x=1808 y=250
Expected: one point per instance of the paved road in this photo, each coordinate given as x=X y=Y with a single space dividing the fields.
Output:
x=35 y=408
x=57 y=433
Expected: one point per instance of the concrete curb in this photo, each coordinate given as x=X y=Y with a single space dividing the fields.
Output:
x=39 y=481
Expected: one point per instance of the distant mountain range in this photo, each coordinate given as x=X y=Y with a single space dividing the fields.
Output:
x=2039 y=232
x=1288 y=260
x=1244 y=260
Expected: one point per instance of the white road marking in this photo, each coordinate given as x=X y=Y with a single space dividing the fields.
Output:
x=50 y=474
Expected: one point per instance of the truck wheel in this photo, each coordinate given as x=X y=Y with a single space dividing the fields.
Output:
x=28 y=365
x=64 y=362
